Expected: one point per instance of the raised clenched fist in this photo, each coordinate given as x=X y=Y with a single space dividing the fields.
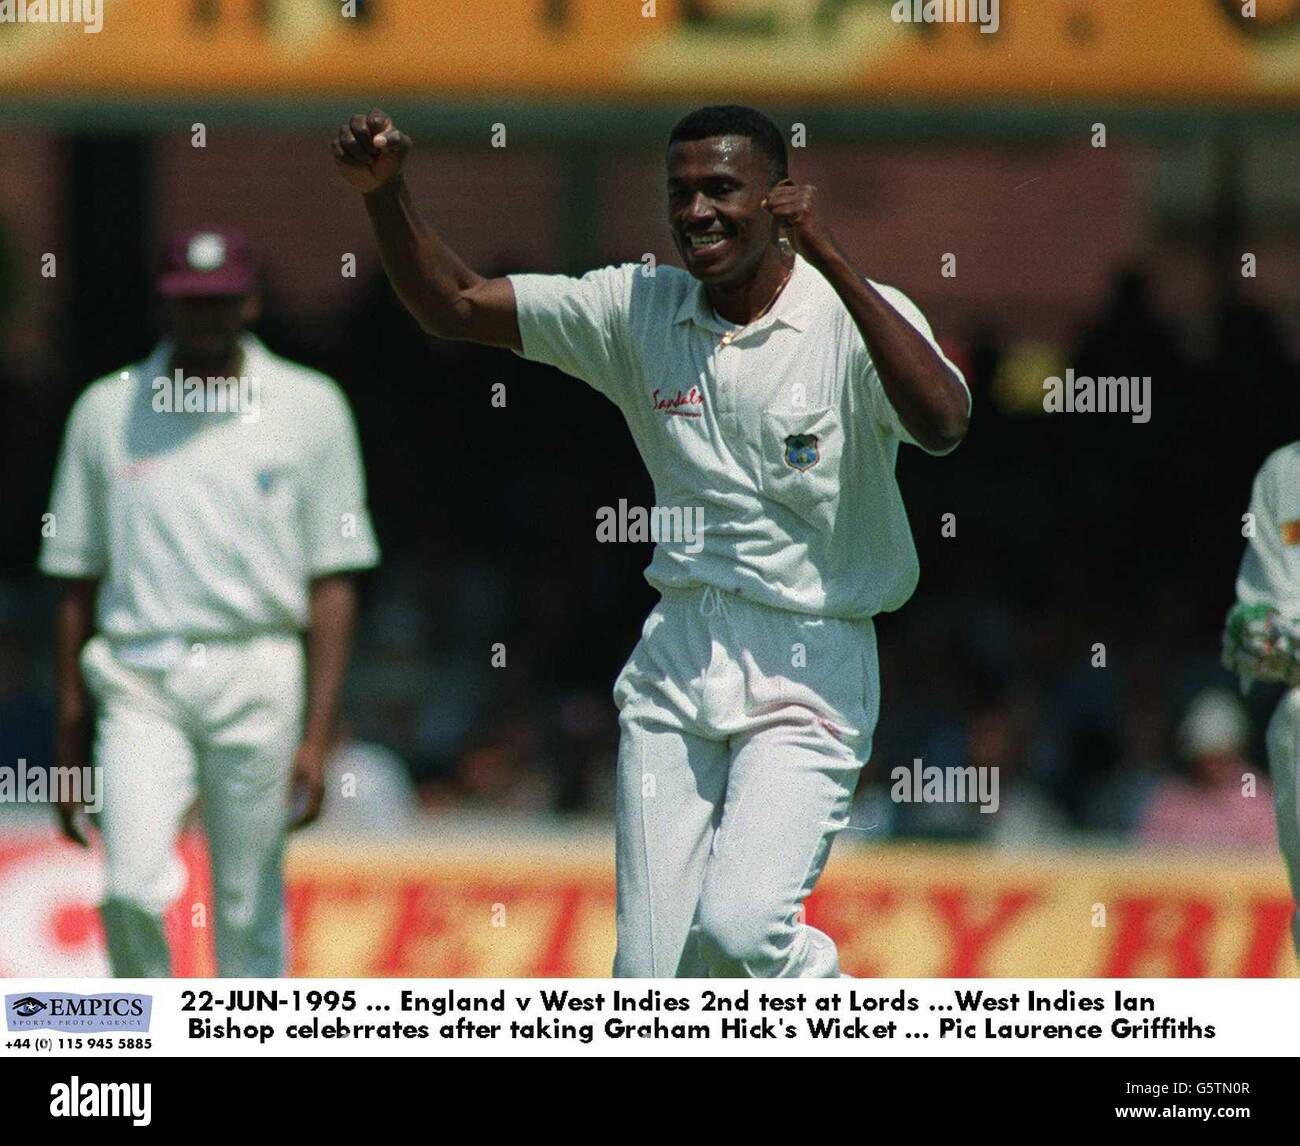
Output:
x=792 y=205
x=369 y=151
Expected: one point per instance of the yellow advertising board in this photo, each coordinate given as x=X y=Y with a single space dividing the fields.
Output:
x=936 y=51
x=895 y=912
x=458 y=905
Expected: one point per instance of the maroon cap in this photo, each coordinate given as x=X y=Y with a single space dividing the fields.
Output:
x=207 y=262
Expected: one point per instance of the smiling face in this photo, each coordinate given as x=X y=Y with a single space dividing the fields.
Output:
x=715 y=194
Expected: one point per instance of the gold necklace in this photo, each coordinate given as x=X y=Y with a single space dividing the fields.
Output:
x=729 y=336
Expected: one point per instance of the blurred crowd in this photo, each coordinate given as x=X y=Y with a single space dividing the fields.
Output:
x=1067 y=635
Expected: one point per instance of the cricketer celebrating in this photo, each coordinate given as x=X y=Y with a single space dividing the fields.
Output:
x=769 y=387
x=208 y=505
x=1262 y=637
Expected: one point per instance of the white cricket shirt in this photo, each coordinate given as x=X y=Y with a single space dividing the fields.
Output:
x=1270 y=567
x=784 y=439
x=208 y=523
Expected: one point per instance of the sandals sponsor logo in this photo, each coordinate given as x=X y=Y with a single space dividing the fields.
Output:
x=681 y=403
x=78 y=1014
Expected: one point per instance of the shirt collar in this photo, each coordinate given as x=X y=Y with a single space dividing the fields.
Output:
x=158 y=361
x=793 y=306
x=155 y=366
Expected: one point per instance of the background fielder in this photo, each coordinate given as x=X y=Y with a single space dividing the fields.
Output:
x=1262 y=639
x=747 y=708
x=205 y=536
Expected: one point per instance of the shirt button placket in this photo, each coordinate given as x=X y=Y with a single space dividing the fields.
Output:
x=721 y=359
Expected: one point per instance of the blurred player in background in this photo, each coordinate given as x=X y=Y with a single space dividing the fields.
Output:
x=748 y=707
x=208 y=505
x=1262 y=638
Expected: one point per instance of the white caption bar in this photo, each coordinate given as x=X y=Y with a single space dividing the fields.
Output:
x=1168 y=1018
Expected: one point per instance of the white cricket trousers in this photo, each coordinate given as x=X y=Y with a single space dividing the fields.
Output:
x=221 y=725
x=1284 y=770
x=743 y=731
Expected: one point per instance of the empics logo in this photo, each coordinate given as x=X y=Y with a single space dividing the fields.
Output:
x=77 y=1099
x=78 y=1014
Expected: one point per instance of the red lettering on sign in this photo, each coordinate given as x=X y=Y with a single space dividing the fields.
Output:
x=971 y=939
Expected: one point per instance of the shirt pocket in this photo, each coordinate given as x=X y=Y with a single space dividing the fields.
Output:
x=799 y=465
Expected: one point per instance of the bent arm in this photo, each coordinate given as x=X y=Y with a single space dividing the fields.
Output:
x=931 y=402
x=446 y=298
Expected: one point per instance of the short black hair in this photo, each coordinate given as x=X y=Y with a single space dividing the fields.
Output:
x=735 y=119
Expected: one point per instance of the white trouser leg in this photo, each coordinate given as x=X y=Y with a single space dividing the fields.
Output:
x=252 y=695
x=147 y=771
x=790 y=791
x=245 y=814
x=752 y=724
x=670 y=786
x=1284 y=769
